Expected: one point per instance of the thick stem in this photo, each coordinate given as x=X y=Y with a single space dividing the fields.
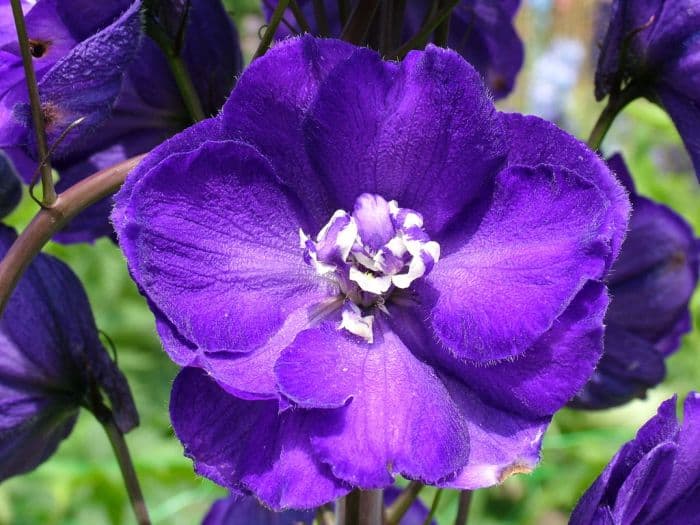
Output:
x=401 y=505
x=185 y=86
x=360 y=508
x=423 y=34
x=50 y=220
x=465 y=500
x=616 y=103
x=131 y=482
x=269 y=34
x=48 y=191
x=361 y=19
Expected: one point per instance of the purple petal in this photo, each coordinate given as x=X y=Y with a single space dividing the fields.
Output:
x=247 y=444
x=406 y=132
x=535 y=141
x=246 y=510
x=399 y=418
x=543 y=237
x=86 y=82
x=268 y=105
x=502 y=443
x=231 y=242
x=686 y=116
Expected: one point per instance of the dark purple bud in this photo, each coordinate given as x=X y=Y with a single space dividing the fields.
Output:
x=651 y=48
x=51 y=363
x=651 y=284
x=655 y=478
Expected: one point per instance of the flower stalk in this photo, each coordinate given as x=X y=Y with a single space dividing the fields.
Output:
x=398 y=508
x=616 y=103
x=47 y=186
x=361 y=507
x=269 y=34
x=421 y=37
x=465 y=500
x=50 y=220
x=355 y=31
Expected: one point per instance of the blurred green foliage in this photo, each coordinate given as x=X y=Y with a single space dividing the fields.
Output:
x=81 y=484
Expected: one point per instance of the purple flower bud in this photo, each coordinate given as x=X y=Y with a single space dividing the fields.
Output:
x=651 y=284
x=652 y=48
x=655 y=478
x=441 y=302
x=93 y=62
x=482 y=31
x=51 y=364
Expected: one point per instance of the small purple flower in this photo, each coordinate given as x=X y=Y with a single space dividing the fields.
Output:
x=655 y=478
x=652 y=48
x=651 y=284
x=375 y=273
x=51 y=363
x=482 y=31
x=96 y=63
x=238 y=509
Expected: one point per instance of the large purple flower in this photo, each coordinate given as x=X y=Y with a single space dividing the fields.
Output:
x=123 y=87
x=368 y=271
x=652 y=49
x=51 y=364
x=651 y=284
x=655 y=478
x=482 y=31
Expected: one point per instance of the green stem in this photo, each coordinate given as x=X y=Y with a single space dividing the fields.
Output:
x=269 y=34
x=420 y=38
x=400 y=506
x=433 y=507
x=299 y=16
x=465 y=499
x=185 y=86
x=48 y=190
x=131 y=482
x=442 y=31
x=616 y=103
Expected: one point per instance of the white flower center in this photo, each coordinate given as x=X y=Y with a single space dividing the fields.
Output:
x=370 y=252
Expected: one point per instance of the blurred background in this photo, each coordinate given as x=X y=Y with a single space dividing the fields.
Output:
x=81 y=484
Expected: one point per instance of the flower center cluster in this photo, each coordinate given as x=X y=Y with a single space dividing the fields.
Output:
x=370 y=252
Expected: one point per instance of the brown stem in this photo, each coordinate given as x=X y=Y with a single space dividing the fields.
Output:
x=50 y=220
x=48 y=191
x=465 y=499
x=360 y=507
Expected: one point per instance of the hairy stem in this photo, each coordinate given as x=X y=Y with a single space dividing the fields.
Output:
x=465 y=499
x=48 y=191
x=400 y=506
x=50 y=220
x=360 y=508
x=131 y=482
x=269 y=34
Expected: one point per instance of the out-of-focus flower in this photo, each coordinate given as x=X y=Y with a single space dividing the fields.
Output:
x=93 y=62
x=376 y=274
x=651 y=49
x=51 y=363
x=482 y=31
x=554 y=75
x=246 y=510
x=653 y=479
x=10 y=186
x=651 y=284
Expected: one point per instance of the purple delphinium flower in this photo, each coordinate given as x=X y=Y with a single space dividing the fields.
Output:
x=128 y=90
x=650 y=284
x=51 y=363
x=376 y=274
x=652 y=48
x=653 y=479
x=238 y=509
x=482 y=31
